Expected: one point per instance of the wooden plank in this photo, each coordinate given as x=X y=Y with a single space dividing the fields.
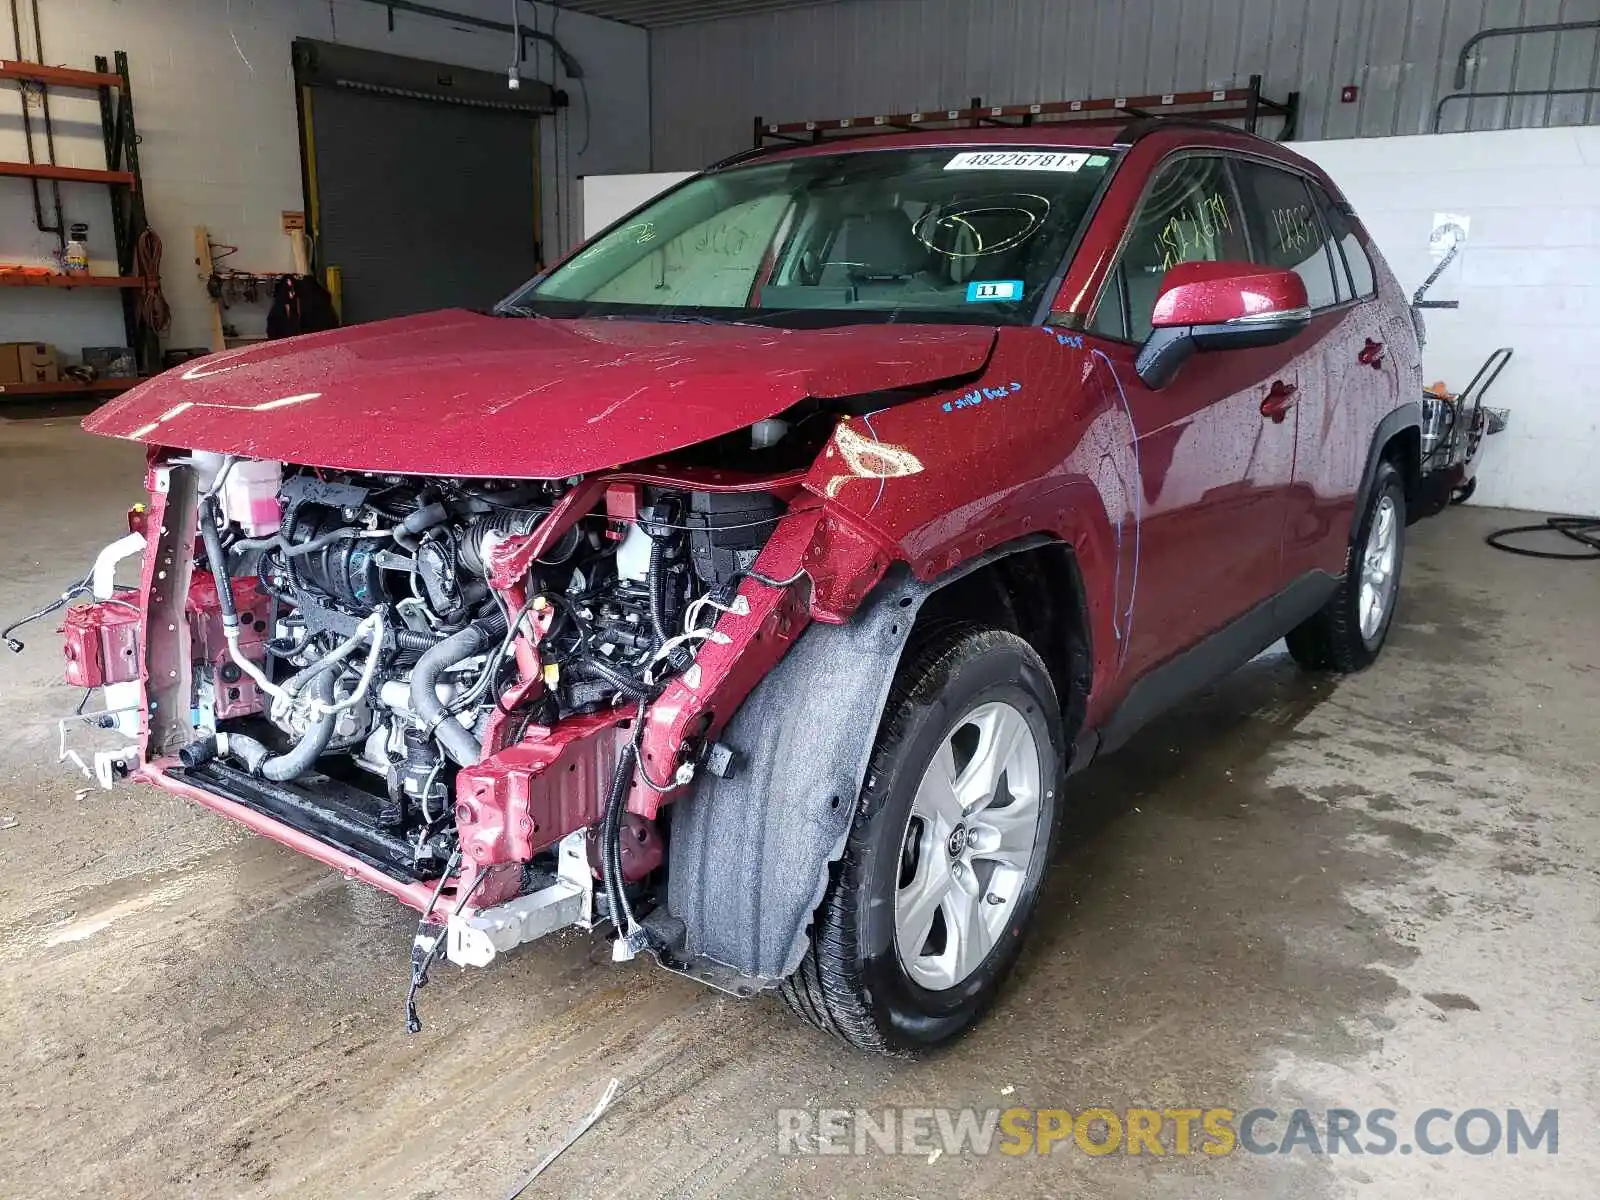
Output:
x=21 y=170
x=202 y=259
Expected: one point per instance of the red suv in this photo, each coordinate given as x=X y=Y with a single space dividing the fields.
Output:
x=753 y=581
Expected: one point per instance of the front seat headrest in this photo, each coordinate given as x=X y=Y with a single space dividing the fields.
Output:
x=879 y=245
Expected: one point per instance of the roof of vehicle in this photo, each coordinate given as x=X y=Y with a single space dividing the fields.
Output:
x=1098 y=135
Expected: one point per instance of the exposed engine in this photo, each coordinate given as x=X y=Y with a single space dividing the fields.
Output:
x=386 y=649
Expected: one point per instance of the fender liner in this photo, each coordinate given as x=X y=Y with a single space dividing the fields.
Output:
x=750 y=853
x=1407 y=416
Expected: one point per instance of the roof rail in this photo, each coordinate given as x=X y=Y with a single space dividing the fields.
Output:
x=1143 y=127
x=740 y=156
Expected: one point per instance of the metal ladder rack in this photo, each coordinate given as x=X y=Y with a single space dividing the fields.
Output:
x=1246 y=104
x=110 y=82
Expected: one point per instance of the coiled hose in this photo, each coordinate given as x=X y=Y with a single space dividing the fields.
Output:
x=1583 y=530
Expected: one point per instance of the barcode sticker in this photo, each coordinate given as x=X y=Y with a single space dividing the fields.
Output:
x=1016 y=160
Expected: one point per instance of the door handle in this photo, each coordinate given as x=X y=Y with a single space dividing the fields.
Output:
x=1279 y=400
x=1372 y=355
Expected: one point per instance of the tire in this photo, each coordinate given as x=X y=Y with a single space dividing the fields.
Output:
x=854 y=981
x=1333 y=638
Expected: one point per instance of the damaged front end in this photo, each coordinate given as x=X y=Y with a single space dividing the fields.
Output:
x=474 y=694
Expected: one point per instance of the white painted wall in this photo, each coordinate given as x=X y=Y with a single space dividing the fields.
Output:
x=608 y=198
x=214 y=100
x=1529 y=278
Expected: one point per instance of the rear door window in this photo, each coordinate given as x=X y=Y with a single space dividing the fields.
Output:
x=1286 y=230
x=1349 y=245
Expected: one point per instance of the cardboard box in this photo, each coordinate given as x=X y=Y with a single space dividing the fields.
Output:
x=28 y=362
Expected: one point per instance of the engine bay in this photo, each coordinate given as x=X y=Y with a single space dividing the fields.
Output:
x=475 y=694
x=376 y=653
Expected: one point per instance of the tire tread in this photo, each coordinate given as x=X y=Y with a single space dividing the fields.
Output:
x=1330 y=639
x=827 y=991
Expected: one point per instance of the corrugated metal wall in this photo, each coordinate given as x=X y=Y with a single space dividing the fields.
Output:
x=865 y=56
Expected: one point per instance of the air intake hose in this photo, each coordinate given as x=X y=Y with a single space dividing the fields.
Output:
x=413 y=642
x=409 y=531
x=281 y=768
x=456 y=739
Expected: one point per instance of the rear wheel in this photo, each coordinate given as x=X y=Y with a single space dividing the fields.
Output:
x=1347 y=633
x=923 y=915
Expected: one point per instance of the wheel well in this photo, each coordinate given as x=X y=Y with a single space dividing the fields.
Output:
x=1404 y=450
x=1038 y=595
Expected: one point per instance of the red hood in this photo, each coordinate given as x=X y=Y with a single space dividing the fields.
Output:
x=458 y=393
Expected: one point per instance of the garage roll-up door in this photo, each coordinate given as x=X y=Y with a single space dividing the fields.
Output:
x=423 y=179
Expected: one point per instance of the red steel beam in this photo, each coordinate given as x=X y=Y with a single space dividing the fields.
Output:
x=66 y=174
x=10 y=68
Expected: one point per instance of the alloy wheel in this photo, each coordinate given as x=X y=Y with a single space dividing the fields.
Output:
x=1378 y=562
x=970 y=838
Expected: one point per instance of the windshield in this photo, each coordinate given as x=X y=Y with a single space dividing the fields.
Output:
x=886 y=235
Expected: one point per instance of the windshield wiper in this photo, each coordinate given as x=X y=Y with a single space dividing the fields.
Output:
x=514 y=310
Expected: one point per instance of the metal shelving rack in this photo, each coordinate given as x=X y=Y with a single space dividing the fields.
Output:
x=109 y=81
x=1247 y=105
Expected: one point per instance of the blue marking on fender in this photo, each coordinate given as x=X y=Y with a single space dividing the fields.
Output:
x=1073 y=341
x=978 y=395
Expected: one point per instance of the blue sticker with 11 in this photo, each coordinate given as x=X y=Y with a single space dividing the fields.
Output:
x=994 y=289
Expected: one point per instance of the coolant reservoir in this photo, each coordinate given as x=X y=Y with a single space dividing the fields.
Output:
x=633 y=556
x=250 y=496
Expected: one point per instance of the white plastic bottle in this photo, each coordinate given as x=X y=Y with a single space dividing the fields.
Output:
x=75 y=255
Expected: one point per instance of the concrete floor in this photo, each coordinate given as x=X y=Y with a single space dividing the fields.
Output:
x=1373 y=891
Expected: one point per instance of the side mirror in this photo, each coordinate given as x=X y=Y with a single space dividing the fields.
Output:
x=1220 y=306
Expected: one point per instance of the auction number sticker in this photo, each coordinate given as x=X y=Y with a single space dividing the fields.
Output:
x=1016 y=160
x=980 y=290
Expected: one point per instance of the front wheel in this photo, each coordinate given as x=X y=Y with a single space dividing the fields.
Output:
x=1347 y=633
x=923 y=916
